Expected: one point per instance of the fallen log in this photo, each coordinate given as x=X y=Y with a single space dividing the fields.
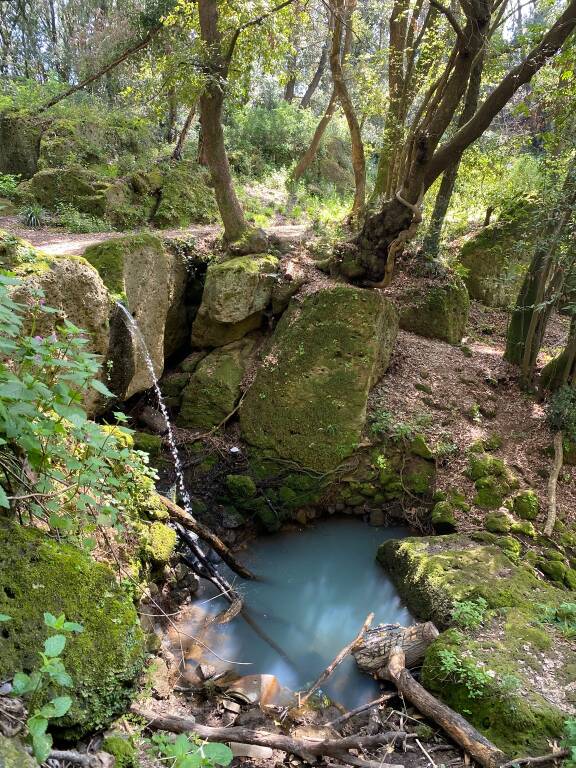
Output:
x=373 y=652
x=551 y=757
x=307 y=749
x=187 y=521
x=460 y=731
x=346 y=651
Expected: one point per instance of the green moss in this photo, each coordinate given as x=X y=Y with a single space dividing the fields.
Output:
x=419 y=447
x=498 y=522
x=524 y=527
x=308 y=400
x=123 y=750
x=152 y=444
x=436 y=311
x=14 y=755
x=173 y=385
x=108 y=257
x=526 y=505
x=443 y=517
x=511 y=546
x=214 y=387
x=240 y=487
x=490 y=493
x=482 y=465
x=185 y=197
x=38 y=574
x=161 y=540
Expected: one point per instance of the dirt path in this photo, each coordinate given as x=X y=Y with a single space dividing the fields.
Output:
x=55 y=242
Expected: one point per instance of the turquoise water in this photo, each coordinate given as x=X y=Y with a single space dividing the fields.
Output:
x=317 y=587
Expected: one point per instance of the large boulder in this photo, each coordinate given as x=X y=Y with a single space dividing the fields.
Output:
x=140 y=273
x=494 y=670
x=214 y=388
x=38 y=574
x=73 y=185
x=496 y=257
x=235 y=294
x=20 y=144
x=184 y=196
x=437 y=309
x=308 y=400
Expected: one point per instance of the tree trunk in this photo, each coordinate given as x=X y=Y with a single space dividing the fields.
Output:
x=289 y=89
x=183 y=135
x=372 y=653
x=466 y=736
x=171 y=117
x=342 y=11
x=211 y=107
x=553 y=482
x=315 y=82
x=308 y=157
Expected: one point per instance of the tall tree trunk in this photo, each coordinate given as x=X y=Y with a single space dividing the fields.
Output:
x=211 y=108
x=183 y=135
x=289 y=89
x=315 y=82
x=431 y=244
x=308 y=157
x=343 y=10
x=171 y=116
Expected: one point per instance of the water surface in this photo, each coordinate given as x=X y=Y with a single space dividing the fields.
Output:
x=317 y=587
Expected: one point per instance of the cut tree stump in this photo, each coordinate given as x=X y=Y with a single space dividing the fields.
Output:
x=372 y=652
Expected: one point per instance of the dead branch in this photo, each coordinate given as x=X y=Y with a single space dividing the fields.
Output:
x=357 y=710
x=336 y=661
x=97 y=760
x=373 y=653
x=190 y=523
x=307 y=749
x=465 y=735
x=553 y=481
x=557 y=755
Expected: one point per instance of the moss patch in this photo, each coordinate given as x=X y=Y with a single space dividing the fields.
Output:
x=37 y=575
x=308 y=401
x=436 y=311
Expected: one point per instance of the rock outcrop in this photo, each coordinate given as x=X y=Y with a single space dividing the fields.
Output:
x=38 y=574
x=308 y=400
x=437 y=310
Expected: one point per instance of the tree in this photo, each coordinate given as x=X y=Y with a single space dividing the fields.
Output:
x=423 y=158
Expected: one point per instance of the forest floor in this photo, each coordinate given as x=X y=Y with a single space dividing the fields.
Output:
x=57 y=242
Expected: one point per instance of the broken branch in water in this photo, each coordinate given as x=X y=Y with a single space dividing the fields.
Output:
x=335 y=662
x=187 y=521
x=465 y=735
x=307 y=749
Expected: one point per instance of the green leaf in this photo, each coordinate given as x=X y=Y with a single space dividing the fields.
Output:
x=37 y=724
x=181 y=745
x=61 y=705
x=4 y=502
x=62 y=677
x=73 y=626
x=5 y=617
x=217 y=753
x=191 y=761
x=42 y=744
x=102 y=388
x=21 y=683
x=51 y=621
x=53 y=646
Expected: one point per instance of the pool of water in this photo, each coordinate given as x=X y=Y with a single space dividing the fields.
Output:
x=316 y=588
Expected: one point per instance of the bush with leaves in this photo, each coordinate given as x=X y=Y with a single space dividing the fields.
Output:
x=56 y=465
x=570 y=742
x=40 y=683
x=190 y=751
x=73 y=220
x=8 y=184
x=562 y=412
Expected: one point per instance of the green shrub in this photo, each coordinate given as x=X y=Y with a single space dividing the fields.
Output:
x=562 y=411
x=73 y=220
x=33 y=215
x=8 y=184
x=469 y=613
x=65 y=470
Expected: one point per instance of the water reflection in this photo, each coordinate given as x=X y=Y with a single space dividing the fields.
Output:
x=318 y=585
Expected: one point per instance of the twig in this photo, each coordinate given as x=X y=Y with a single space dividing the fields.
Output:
x=557 y=755
x=336 y=661
x=353 y=712
x=425 y=753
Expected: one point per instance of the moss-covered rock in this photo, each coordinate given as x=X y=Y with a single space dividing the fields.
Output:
x=160 y=543
x=437 y=311
x=240 y=487
x=185 y=196
x=152 y=444
x=498 y=522
x=38 y=574
x=214 y=387
x=20 y=144
x=496 y=257
x=493 y=675
x=493 y=480
x=14 y=755
x=525 y=527
x=443 y=517
x=74 y=185
x=526 y=505
x=235 y=294
x=308 y=400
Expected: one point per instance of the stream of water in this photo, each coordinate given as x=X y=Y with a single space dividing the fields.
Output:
x=315 y=590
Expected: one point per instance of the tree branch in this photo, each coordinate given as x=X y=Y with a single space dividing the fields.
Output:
x=252 y=23
x=452 y=19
